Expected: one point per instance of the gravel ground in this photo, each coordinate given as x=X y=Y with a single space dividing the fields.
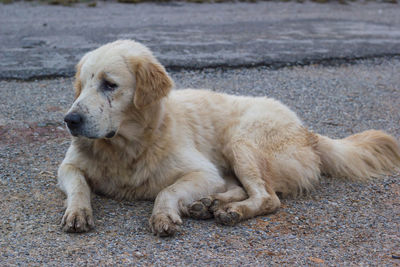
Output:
x=340 y=223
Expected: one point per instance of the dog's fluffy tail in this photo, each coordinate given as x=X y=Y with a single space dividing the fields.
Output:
x=359 y=157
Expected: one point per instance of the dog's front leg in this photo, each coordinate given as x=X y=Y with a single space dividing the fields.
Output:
x=173 y=201
x=78 y=216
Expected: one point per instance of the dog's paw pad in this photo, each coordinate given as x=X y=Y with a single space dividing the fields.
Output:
x=198 y=206
x=206 y=201
x=215 y=205
x=199 y=209
x=227 y=217
x=77 y=220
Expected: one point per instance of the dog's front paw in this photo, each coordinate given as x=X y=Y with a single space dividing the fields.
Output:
x=165 y=224
x=77 y=220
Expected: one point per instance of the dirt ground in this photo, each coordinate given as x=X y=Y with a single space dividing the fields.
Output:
x=339 y=224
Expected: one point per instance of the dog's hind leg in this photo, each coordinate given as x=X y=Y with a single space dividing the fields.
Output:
x=174 y=201
x=205 y=207
x=251 y=168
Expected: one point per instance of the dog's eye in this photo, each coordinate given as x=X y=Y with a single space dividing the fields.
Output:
x=109 y=86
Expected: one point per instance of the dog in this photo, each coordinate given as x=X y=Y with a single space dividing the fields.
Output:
x=195 y=152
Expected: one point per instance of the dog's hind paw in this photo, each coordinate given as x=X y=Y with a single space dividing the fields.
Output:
x=200 y=209
x=227 y=216
x=165 y=224
x=77 y=220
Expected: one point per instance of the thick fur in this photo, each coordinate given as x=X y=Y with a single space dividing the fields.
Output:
x=194 y=152
x=359 y=157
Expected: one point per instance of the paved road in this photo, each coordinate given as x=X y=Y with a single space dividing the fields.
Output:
x=41 y=40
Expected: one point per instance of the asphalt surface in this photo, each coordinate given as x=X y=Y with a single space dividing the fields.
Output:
x=42 y=40
x=339 y=224
x=335 y=93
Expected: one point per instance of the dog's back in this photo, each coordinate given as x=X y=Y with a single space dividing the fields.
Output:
x=295 y=156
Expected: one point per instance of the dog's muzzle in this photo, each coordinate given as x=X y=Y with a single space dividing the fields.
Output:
x=74 y=122
x=110 y=134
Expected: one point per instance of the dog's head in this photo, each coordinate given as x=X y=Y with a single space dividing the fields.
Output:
x=111 y=80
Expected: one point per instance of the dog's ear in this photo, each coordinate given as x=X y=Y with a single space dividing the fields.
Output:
x=78 y=82
x=152 y=81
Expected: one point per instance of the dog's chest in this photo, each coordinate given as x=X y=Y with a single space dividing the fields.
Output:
x=124 y=179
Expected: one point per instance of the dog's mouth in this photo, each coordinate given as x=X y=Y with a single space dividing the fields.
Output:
x=77 y=134
x=110 y=134
x=82 y=135
x=73 y=132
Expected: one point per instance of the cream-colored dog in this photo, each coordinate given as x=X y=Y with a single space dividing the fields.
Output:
x=196 y=152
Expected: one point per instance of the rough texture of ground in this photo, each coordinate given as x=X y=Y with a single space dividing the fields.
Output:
x=340 y=223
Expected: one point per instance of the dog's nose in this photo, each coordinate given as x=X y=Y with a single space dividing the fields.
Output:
x=73 y=120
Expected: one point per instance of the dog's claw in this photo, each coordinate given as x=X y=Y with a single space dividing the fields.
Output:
x=164 y=224
x=77 y=220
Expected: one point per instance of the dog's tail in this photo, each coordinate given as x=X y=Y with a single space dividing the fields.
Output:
x=359 y=157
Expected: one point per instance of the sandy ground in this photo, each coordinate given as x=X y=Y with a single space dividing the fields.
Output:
x=340 y=223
